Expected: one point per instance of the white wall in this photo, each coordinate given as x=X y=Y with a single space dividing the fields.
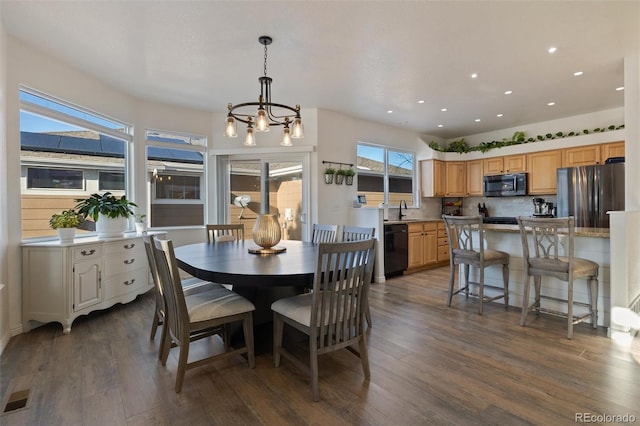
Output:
x=4 y=290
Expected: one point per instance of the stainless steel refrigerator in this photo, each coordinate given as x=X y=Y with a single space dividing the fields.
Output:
x=589 y=192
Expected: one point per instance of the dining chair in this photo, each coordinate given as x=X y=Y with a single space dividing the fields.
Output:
x=324 y=233
x=358 y=233
x=332 y=315
x=541 y=242
x=463 y=251
x=190 y=285
x=226 y=232
x=187 y=316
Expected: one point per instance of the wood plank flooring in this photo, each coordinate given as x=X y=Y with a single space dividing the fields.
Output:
x=430 y=364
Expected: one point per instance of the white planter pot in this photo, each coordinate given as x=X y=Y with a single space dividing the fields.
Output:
x=107 y=227
x=66 y=235
x=140 y=227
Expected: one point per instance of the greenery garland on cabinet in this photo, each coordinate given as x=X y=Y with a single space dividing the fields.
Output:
x=518 y=138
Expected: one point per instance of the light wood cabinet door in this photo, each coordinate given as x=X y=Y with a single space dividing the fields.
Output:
x=581 y=156
x=615 y=149
x=456 y=178
x=542 y=167
x=515 y=163
x=416 y=249
x=474 y=177
x=493 y=166
x=430 y=247
x=432 y=178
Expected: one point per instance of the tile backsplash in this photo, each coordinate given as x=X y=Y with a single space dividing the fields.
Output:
x=496 y=206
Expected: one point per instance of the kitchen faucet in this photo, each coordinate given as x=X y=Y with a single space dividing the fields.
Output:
x=400 y=215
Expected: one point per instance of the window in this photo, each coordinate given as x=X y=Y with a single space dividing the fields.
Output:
x=55 y=178
x=175 y=176
x=66 y=152
x=386 y=175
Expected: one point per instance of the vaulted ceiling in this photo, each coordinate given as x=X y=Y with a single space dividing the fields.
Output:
x=360 y=58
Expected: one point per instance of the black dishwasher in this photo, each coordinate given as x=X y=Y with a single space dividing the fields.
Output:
x=396 y=243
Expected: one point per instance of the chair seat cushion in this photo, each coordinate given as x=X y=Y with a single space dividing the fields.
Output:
x=472 y=255
x=216 y=303
x=298 y=308
x=581 y=267
x=196 y=285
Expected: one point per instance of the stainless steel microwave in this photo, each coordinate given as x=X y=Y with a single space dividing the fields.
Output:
x=505 y=185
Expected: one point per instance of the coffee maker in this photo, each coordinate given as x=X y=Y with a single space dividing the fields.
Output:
x=542 y=208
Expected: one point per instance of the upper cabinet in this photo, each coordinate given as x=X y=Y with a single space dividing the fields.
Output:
x=581 y=156
x=456 y=178
x=432 y=178
x=506 y=164
x=542 y=167
x=614 y=149
x=474 y=177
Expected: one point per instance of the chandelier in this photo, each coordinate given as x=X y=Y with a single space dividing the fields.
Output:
x=268 y=113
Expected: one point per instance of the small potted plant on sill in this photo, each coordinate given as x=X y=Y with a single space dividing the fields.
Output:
x=141 y=223
x=329 y=172
x=108 y=211
x=65 y=223
x=348 y=176
x=340 y=174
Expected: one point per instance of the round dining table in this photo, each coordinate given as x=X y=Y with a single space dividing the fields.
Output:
x=261 y=278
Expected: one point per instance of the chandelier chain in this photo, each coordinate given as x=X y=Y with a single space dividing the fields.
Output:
x=265 y=60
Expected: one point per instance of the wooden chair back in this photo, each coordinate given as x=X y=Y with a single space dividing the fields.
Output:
x=324 y=233
x=357 y=233
x=227 y=232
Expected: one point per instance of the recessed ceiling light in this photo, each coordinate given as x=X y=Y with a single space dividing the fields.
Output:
x=551 y=103
x=474 y=75
x=443 y=109
x=477 y=120
x=620 y=88
x=552 y=49
x=498 y=115
x=578 y=73
x=420 y=102
x=440 y=125
x=508 y=92
x=389 y=112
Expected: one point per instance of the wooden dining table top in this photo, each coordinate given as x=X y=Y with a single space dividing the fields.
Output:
x=231 y=263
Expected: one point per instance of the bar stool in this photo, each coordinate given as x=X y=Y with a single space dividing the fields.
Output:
x=541 y=241
x=460 y=231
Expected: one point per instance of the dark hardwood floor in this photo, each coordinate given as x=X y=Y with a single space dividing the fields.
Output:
x=429 y=365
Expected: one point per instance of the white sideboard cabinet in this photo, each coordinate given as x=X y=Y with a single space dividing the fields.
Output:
x=61 y=281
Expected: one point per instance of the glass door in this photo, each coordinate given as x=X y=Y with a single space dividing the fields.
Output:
x=278 y=182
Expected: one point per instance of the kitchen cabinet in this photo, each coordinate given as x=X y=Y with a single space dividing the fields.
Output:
x=581 y=156
x=505 y=164
x=443 y=243
x=62 y=281
x=432 y=178
x=423 y=244
x=474 y=177
x=456 y=178
x=614 y=149
x=542 y=167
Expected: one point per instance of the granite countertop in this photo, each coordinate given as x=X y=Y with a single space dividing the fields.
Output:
x=405 y=221
x=578 y=232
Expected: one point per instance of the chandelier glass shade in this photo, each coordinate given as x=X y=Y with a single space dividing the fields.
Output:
x=261 y=115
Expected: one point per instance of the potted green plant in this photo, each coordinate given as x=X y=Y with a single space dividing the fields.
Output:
x=65 y=223
x=348 y=176
x=108 y=211
x=340 y=173
x=328 y=175
x=140 y=222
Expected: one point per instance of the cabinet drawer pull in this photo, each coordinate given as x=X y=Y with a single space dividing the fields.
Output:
x=87 y=253
x=129 y=246
x=130 y=282
x=129 y=262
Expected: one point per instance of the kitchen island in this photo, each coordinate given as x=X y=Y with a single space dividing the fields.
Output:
x=589 y=243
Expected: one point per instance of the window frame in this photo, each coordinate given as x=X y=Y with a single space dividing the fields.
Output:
x=415 y=199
